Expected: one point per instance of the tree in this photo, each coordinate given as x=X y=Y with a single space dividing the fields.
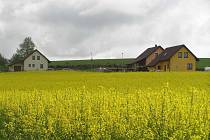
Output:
x=3 y=60
x=3 y=63
x=25 y=49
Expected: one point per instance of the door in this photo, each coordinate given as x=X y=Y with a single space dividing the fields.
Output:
x=17 y=68
x=165 y=68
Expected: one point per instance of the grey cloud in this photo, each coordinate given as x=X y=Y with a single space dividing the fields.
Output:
x=68 y=16
x=65 y=30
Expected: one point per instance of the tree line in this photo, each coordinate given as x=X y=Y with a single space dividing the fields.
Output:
x=25 y=48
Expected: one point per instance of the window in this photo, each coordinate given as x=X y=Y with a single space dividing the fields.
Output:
x=29 y=65
x=186 y=55
x=180 y=55
x=38 y=57
x=156 y=54
x=33 y=65
x=159 y=67
x=189 y=66
x=33 y=57
x=41 y=66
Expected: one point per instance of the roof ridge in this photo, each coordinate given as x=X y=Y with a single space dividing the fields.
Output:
x=182 y=45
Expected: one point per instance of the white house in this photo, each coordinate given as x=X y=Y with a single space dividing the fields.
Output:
x=35 y=61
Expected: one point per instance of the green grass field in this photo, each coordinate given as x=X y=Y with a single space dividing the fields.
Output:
x=204 y=62
x=86 y=64
x=103 y=62
x=84 y=105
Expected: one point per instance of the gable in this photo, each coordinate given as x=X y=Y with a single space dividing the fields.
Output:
x=154 y=55
x=191 y=56
x=36 y=52
x=146 y=54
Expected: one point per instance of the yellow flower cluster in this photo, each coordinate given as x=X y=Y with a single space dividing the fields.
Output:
x=82 y=105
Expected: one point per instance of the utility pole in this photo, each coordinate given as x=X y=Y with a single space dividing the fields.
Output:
x=91 y=54
x=122 y=60
x=91 y=59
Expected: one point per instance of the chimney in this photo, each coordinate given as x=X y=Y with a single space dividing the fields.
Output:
x=156 y=45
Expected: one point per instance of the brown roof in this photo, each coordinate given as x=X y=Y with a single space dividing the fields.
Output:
x=22 y=61
x=167 y=54
x=146 y=53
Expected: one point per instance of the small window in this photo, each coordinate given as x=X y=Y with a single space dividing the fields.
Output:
x=186 y=55
x=33 y=57
x=180 y=55
x=156 y=54
x=29 y=65
x=189 y=66
x=33 y=65
x=41 y=66
x=38 y=57
x=159 y=67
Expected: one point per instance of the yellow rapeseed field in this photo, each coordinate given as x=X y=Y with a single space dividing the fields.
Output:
x=84 y=105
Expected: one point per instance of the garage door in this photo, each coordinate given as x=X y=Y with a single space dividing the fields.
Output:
x=17 y=68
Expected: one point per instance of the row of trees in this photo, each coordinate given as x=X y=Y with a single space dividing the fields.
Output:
x=3 y=63
x=24 y=49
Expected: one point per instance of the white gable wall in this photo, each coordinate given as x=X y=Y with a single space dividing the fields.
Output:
x=36 y=62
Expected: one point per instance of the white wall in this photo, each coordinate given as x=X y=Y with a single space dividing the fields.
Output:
x=37 y=63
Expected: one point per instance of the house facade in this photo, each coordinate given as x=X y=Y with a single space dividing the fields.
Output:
x=177 y=58
x=35 y=61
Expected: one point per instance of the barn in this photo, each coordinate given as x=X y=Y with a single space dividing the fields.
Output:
x=35 y=61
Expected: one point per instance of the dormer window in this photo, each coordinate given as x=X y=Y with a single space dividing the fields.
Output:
x=33 y=57
x=38 y=57
x=156 y=54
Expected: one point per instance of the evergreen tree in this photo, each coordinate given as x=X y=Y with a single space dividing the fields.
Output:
x=25 y=49
x=3 y=60
x=3 y=63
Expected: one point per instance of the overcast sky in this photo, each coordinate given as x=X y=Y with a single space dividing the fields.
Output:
x=72 y=29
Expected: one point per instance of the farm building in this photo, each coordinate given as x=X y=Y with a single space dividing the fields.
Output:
x=35 y=61
x=177 y=58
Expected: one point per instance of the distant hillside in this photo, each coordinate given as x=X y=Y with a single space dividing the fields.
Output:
x=88 y=64
x=204 y=62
